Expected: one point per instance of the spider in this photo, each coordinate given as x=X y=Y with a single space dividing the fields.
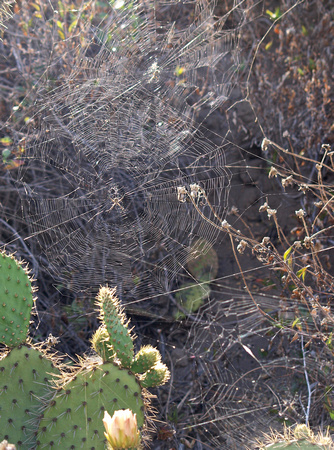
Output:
x=154 y=71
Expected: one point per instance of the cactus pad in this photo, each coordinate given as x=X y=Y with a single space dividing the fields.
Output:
x=24 y=379
x=16 y=301
x=157 y=376
x=301 y=437
x=191 y=297
x=116 y=324
x=74 y=416
x=102 y=345
x=297 y=445
x=145 y=359
x=203 y=263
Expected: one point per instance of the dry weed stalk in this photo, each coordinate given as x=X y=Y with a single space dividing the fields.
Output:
x=301 y=259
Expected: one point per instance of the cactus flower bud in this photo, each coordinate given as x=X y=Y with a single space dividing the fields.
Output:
x=121 y=430
x=5 y=446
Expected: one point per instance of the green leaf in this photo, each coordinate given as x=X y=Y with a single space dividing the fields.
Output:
x=274 y=15
x=37 y=7
x=311 y=64
x=61 y=34
x=61 y=9
x=73 y=25
x=304 y=30
x=268 y=46
x=6 y=141
x=6 y=153
x=179 y=71
x=287 y=253
x=296 y=322
x=302 y=272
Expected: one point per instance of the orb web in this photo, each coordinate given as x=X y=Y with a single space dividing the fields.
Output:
x=117 y=137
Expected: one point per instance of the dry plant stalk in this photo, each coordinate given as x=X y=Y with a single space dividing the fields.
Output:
x=301 y=262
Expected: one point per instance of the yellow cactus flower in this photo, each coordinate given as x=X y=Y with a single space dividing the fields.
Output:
x=121 y=430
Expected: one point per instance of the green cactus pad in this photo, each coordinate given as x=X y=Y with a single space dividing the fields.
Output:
x=102 y=345
x=74 y=416
x=300 y=445
x=191 y=297
x=16 y=301
x=203 y=261
x=301 y=437
x=24 y=379
x=117 y=325
x=157 y=376
x=145 y=359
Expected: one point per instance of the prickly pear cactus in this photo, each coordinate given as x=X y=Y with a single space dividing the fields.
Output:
x=44 y=404
x=156 y=376
x=73 y=418
x=301 y=437
x=145 y=359
x=298 y=445
x=102 y=345
x=25 y=377
x=191 y=297
x=203 y=264
x=116 y=324
x=116 y=380
x=146 y=364
x=16 y=301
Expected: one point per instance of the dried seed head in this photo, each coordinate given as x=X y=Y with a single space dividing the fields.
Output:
x=273 y=172
x=288 y=181
x=271 y=212
x=195 y=190
x=182 y=194
x=242 y=246
x=265 y=144
x=308 y=243
x=300 y=213
x=264 y=207
x=303 y=188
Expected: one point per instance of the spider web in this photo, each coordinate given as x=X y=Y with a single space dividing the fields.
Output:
x=116 y=136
